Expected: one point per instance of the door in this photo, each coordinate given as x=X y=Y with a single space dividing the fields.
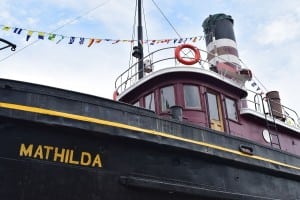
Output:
x=215 y=111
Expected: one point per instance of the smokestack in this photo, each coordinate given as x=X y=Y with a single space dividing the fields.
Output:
x=221 y=46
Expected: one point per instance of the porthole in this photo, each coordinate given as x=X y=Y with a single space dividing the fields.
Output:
x=266 y=135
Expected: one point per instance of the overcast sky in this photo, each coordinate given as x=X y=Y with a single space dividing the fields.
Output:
x=267 y=34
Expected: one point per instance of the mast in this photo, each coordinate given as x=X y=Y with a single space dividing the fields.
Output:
x=140 y=40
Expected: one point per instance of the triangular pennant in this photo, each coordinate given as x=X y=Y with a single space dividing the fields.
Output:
x=258 y=88
x=72 y=40
x=152 y=42
x=6 y=28
x=51 y=36
x=167 y=41
x=116 y=41
x=29 y=34
x=81 y=41
x=91 y=42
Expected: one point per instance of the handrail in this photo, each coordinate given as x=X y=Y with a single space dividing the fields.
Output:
x=120 y=83
x=289 y=116
x=130 y=75
x=9 y=44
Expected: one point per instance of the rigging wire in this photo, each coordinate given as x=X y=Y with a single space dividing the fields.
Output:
x=146 y=31
x=132 y=36
x=60 y=27
x=261 y=84
x=161 y=12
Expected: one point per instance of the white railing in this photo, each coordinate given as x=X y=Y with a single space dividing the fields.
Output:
x=259 y=103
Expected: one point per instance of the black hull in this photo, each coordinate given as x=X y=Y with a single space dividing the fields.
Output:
x=83 y=147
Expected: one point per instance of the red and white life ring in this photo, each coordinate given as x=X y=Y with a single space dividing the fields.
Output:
x=187 y=61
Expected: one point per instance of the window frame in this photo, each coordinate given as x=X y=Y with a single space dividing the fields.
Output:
x=199 y=95
x=153 y=100
x=160 y=97
x=236 y=119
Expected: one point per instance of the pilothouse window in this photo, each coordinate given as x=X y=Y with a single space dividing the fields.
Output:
x=191 y=96
x=149 y=102
x=231 y=109
x=167 y=97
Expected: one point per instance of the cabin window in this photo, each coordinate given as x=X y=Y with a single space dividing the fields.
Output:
x=231 y=109
x=149 y=102
x=191 y=96
x=167 y=97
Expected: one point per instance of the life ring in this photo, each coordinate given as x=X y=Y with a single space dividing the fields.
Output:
x=189 y=61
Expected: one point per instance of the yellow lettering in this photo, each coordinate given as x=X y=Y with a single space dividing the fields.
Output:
x=48 y=149
x=38 y=152
x=67 y=156
x=71 y=161
x=26 y=151
x=59 y=155
x=85 y=159
x=97 y=161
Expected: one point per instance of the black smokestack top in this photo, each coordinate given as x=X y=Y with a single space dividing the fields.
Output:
x=220 y=40
x=218 y=26
x=222 y=49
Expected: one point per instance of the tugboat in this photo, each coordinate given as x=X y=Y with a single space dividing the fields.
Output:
x=176 y=129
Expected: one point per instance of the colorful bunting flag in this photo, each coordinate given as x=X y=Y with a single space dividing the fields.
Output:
x=81 y=41
x=195 y=39
x=51 y=36
x=91 y=41
x=72 y=40
x=6 y=28
x=29 y=34
x=116 y=41
x=18 y=30
x=41 y=35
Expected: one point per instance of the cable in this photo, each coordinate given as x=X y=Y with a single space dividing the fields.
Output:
x=255 y=76
x=132 y=36
x=67 y=23
x=166 y=18
x=146 y=29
